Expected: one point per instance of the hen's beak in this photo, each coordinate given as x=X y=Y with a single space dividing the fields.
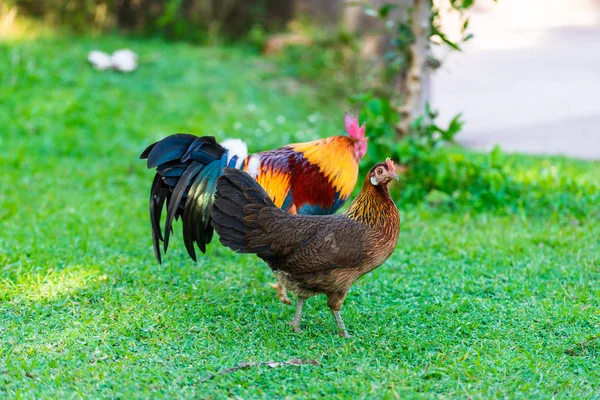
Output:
x=394 y=176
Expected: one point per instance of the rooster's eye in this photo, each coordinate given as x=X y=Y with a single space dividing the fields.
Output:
x=379 y=171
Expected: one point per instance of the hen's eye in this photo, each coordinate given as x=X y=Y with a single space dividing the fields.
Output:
x=379 y=171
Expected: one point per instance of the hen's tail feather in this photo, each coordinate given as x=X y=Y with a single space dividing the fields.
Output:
x=238 y=201
x=187 y=169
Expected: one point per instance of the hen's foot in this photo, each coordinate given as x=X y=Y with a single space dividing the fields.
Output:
x=281 y=292
x=295 y=326
x=345 y=334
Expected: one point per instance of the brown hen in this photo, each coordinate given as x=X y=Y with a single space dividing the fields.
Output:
x=310 y=254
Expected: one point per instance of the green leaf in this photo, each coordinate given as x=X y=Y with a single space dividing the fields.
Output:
x=384 y=10
x=462 y=5
x=417 y=123
x=436 y=32
x=375 y=106
x=455 y=125
x=497 y=156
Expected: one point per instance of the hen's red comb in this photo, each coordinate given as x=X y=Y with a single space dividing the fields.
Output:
x=390 y=164
x=352 y=127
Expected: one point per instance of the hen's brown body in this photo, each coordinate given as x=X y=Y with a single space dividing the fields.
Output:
x=310 y=254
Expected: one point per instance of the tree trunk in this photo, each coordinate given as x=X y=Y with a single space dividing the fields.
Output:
x=323 y=12
x=351 y=16
x=375 y=41
x=126 y=15
x=416 y=90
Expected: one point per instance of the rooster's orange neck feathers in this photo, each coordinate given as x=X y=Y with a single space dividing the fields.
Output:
x=335 y=159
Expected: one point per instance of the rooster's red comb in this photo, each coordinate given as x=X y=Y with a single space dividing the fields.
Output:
x=352 y=127
x=390 y=164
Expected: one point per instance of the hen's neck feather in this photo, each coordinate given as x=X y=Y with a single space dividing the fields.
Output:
x=373 y=206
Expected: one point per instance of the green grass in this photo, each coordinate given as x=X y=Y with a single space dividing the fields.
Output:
x=471 y=305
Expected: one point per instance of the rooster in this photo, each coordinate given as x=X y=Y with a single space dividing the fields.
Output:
x=304 y=178
x=310 y=254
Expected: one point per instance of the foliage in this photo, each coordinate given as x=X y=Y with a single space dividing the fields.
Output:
x=330 y=61
x=434 y=170
x=481 y=305
x=257 y=37
x=396 y=24
x=194 y=20
x=79 y=16
x=438 y=36
x=13 y=25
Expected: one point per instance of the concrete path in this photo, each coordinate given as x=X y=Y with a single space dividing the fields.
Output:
x=529 y=80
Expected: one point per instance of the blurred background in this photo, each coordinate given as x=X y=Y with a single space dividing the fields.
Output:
x=489 y=109
x=537 y=65
x=430 y=78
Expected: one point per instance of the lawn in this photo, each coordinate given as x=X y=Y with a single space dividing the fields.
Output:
x=484 y=304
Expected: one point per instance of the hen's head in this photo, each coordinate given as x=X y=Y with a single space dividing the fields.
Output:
x=357 y=133
x=383 y=173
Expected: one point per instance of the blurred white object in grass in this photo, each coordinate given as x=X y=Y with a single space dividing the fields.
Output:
x=124 y=60
x=100 y=60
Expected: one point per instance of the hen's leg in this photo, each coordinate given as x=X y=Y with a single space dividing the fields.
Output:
x=298 y=316
x=335 y=301
x=340 y=323
x=281 y=292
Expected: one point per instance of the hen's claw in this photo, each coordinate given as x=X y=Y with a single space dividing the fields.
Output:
x=297 y=328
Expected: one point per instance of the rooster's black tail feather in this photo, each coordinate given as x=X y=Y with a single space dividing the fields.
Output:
x=187 y=168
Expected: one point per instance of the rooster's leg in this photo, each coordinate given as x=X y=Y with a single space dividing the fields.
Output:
x=281 y=292
x=298 y=316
